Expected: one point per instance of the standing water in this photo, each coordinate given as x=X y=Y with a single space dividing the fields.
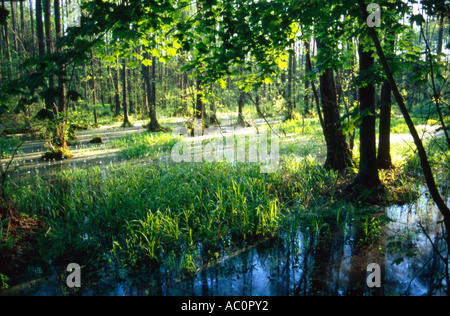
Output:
x=294 y=263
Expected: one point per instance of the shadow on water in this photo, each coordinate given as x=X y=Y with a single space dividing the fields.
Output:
x=294 y=263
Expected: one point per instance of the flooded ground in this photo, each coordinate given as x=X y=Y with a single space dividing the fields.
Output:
x=292 y=264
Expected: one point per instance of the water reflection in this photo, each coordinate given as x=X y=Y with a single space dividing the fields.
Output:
x=295 y=263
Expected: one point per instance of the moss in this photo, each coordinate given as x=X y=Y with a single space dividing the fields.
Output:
x=58 y=154
x=96 y=140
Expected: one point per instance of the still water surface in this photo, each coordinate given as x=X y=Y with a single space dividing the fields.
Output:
x=291 y=264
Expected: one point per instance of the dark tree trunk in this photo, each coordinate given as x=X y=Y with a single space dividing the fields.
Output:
x=61 y=84
x=307 y=82
x=126 y=120
x=7 y=46
x=440 y=34
x=150 y=85
x=338 y=151
x=33 y=40
x=94 y=89
x=50 y=100
x=117 y=88
x=368 y=171
x=384 y=145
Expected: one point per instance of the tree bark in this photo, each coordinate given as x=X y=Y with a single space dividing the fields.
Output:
x=61 y=84
x=117 y=87
x=40 y=28
x=150 y=85
x=338 y=151
x=384 y=159
x=368 y=171
x=50 y=100
x=94 y=90
x=308 y=69
x=126 y=120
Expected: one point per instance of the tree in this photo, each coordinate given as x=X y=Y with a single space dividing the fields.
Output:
x=149 y=73
x=368 y=171
x=126 y=119
x=61 y=83
x=338 y=151
x=50 y=95
x=428 y=173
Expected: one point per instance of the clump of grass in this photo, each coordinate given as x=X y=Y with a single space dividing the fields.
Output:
x=145 y=145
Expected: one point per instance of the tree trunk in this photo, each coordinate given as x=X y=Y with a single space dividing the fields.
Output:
x=7 y=46
x=384 y=145
x=440 y=34
x=94 y=90
x=289 y=93
x=33 y=40
x=126 y=120
x=241 y=102
x=338 y=151
x=117 y=87
x=14 y=28
x=40 y=29
x=50 y=100
x=149 y=79
x=307 y=82
x=61 y=84
x=368 y=171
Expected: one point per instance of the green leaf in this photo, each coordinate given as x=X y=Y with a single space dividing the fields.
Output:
x=147 y=62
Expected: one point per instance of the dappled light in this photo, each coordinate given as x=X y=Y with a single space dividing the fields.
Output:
x=224 y=148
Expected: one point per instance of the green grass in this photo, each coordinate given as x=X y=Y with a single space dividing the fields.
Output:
x=185 y=215
x=163 y=213
x=144 y=145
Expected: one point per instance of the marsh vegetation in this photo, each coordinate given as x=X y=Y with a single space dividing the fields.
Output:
x=89 y=127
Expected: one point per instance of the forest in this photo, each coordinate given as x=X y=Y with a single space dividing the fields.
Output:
x=224 y=148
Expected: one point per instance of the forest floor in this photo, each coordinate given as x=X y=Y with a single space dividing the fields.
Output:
x=29 y=162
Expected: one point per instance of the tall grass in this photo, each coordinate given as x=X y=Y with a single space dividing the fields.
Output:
x=160 y=213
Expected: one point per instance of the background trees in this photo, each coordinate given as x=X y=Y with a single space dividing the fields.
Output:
x=138 y=58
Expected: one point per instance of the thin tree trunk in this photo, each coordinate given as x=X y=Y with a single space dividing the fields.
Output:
x=94 y=90
x=14 y=28
x=126 y=120
x=7 y=46
x=50 y=100
x=61 y=84
x=117 y=87
x=308 y=69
